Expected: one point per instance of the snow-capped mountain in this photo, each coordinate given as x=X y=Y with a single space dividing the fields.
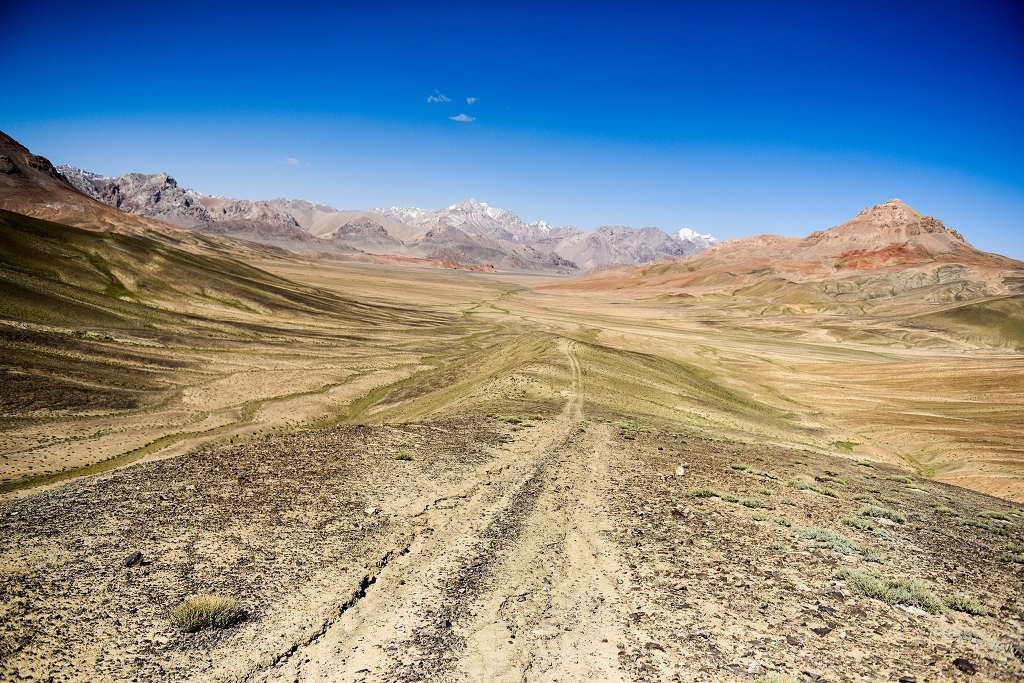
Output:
x=469 y=232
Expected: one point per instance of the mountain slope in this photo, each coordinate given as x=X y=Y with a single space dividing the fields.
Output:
x=888 y=255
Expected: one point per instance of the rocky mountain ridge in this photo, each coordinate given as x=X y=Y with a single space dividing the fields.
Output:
x=469 y=232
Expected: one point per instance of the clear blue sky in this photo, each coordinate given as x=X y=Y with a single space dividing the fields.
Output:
x=760 y=117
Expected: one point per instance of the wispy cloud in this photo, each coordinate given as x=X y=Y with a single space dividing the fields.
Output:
x=463 y=118
x=470 y=100
x=291 y=161
x=438 y=96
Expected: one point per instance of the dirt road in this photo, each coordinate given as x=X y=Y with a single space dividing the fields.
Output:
x=505 y=578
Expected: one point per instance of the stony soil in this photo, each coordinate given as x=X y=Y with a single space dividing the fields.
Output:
x=565 y=548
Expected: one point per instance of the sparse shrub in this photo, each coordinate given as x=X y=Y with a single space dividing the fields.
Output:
x=992 y=514
x=741 y=468
x=883 y=513
x=729 y=498
x=865 y=464
x=858 y=523
x=206 y=611
x=892 y=591
x=863 y=499
x=991 y=528
x=804 y=485
x=403 y=455
x=826 y=538
x=758 y=517
x=776 y=678
x=1014 y=553
x=754 y=503
x=777 y=545
x=704 y=493
x=902 y=479
x=942 y=509
x=765 y=492
x=968 y=634
x=966 y=604
x=761 y=473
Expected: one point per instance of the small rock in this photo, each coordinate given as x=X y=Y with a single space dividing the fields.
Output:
x=680 y=471
x=133 y=559
x=821 y=631
x=965 y=665
x=370 y=511
x=908 y=679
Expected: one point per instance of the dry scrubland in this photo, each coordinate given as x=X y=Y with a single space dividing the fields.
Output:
x=400 y=473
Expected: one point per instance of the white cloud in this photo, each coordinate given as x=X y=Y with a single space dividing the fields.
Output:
x=470 y=100
x=463 y=118
x=438 y=96
x=291 y=161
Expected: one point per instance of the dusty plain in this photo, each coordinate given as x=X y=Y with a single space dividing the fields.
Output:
x=462 y=476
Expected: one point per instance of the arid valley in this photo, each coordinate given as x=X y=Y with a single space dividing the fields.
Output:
x=800 y=466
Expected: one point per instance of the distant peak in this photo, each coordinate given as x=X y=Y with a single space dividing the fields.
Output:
x=890 y=211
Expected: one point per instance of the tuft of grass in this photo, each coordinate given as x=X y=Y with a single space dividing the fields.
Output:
x=740 y=467
x=754 y=503
x=902 y=479
x=765 y=492
x=892 y=591
x=866 y=464
x=206 y=611
x=845 y=446
x=777 y=545
x=826 y=538
x=992 y=514
x=704 y=493
x=991 y=528
x=883 y=513
x=864 y=499
x=1014 y=552
x=759 y=517
x=776 y=678
x=729 y=498
x=858 y=523
x=966 y=604
x=403 y=455
x=942 y=509
x=804 y=485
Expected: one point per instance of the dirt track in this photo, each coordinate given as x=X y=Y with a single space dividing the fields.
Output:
x=566 y=548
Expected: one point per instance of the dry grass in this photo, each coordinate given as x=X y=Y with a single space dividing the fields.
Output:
x=206 y=611
x=892 y=591
x=883 y=513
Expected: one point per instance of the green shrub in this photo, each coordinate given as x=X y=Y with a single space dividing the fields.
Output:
x=729 y=498
x=1014 y=553
x=206 y=611
x=858 y=523
x=892 y=591
x=704 y=493
x=804 y=485
x=826 y=538
x=991 y=528
x=902 y=479
x=966 y=604
x=403 y=455
x=754 y=503
x=883 y=513
x=992 y=514
x=765 y=492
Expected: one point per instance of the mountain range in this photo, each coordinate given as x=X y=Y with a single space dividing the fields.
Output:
x=470 y=232
x=889 y=258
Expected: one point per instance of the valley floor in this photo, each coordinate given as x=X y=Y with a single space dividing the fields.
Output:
x=529 y=487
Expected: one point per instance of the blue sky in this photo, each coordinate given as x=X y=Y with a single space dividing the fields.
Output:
x=746 y=118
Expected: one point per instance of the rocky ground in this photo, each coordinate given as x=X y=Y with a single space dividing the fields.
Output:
x=575 y=547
